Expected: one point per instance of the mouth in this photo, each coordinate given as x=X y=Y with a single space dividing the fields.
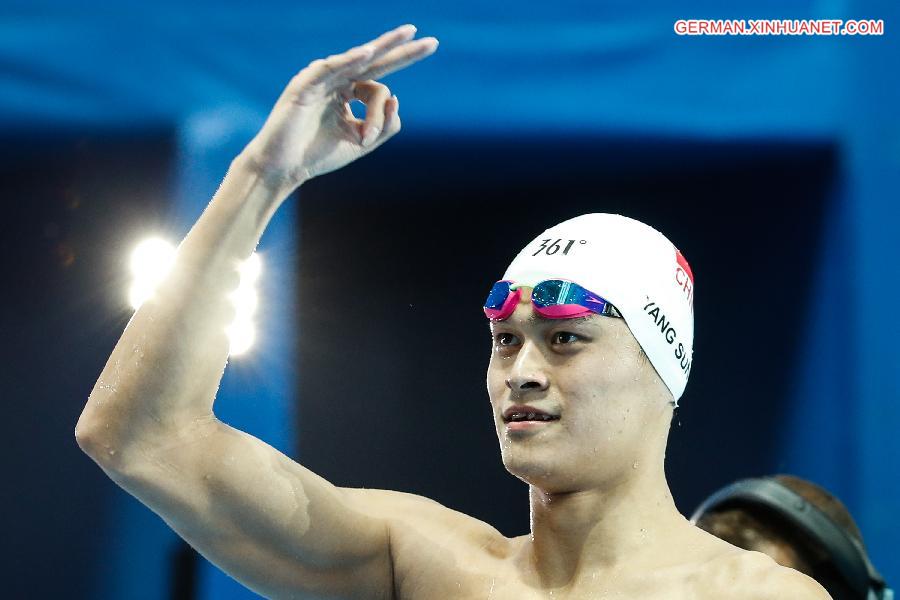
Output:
x=529 y=425
x=520 y=418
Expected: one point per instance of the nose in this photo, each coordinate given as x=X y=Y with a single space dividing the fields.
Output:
x=528 y=371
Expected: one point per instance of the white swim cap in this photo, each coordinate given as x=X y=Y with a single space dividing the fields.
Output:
x=634 y=267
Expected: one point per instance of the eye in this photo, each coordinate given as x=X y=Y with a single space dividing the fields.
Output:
x=566 y=334
x=501 y=338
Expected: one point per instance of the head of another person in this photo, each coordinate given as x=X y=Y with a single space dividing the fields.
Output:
x=756 y=527
x=594 y=327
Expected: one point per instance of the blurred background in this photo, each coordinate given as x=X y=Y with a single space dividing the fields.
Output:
x=773 y=163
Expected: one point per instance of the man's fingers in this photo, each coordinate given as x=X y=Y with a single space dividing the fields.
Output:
x=392 y=116
x=349 y=63
x=391 y=122
x=391 y=39
x=399 y=57
x=374 y=95
x=324 y=69
x=387 y=53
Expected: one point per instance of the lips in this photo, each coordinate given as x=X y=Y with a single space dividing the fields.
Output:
x=524 y=412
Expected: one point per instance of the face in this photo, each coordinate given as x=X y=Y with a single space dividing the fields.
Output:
x=613 y=410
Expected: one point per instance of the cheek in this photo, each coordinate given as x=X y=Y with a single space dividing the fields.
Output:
x=589 y=378
x=615 y=372
x=603 y=414
x=495 y=380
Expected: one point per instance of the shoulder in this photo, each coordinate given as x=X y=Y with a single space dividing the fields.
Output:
x=431 y=543
x=748 y=575
x=394 y=504
x=405 y=512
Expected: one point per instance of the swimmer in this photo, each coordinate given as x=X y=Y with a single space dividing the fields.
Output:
x=591 y=329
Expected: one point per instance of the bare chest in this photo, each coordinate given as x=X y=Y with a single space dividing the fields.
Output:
x=451 y=571
x=496 y=587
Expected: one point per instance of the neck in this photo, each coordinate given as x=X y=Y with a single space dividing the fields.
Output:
x=626 y=521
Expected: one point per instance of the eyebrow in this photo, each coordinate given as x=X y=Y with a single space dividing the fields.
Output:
x=538 y=318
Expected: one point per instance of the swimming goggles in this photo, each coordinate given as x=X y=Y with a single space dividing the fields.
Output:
x=552 y=298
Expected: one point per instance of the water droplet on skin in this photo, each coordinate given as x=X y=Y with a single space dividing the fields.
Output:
x=634 y=465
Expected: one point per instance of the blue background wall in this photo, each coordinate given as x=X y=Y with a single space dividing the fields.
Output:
x=201 y=78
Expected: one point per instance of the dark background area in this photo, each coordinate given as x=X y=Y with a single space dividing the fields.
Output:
x=396 y=254
x=73 y=206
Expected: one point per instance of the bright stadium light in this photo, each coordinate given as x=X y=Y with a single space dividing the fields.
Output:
x=241 y=333
x=245 y=301
x=250 y=270
x=151 y=260
x=241 y=336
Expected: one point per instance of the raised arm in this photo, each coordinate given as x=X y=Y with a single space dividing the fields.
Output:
x=149 y=422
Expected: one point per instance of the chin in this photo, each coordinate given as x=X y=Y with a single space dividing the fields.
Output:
x=533 y=467
x=559 y=472
x=550 y=483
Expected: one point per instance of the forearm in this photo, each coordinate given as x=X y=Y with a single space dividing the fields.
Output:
x=163 y=374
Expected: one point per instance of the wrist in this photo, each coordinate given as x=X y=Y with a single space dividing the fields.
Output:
x=279 y=181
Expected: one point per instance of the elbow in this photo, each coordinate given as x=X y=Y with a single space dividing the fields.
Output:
x=102 y=449
x=99 y=432
x=84 y=436
x=98 y=441
x=88 y=438
x=86 y=429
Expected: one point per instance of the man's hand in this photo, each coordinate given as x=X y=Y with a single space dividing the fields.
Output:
x=311 y=130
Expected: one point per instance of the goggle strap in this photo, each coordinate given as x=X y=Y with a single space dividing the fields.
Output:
x=611 y=311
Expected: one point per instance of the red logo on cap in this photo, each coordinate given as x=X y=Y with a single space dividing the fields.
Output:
x=684 y=277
